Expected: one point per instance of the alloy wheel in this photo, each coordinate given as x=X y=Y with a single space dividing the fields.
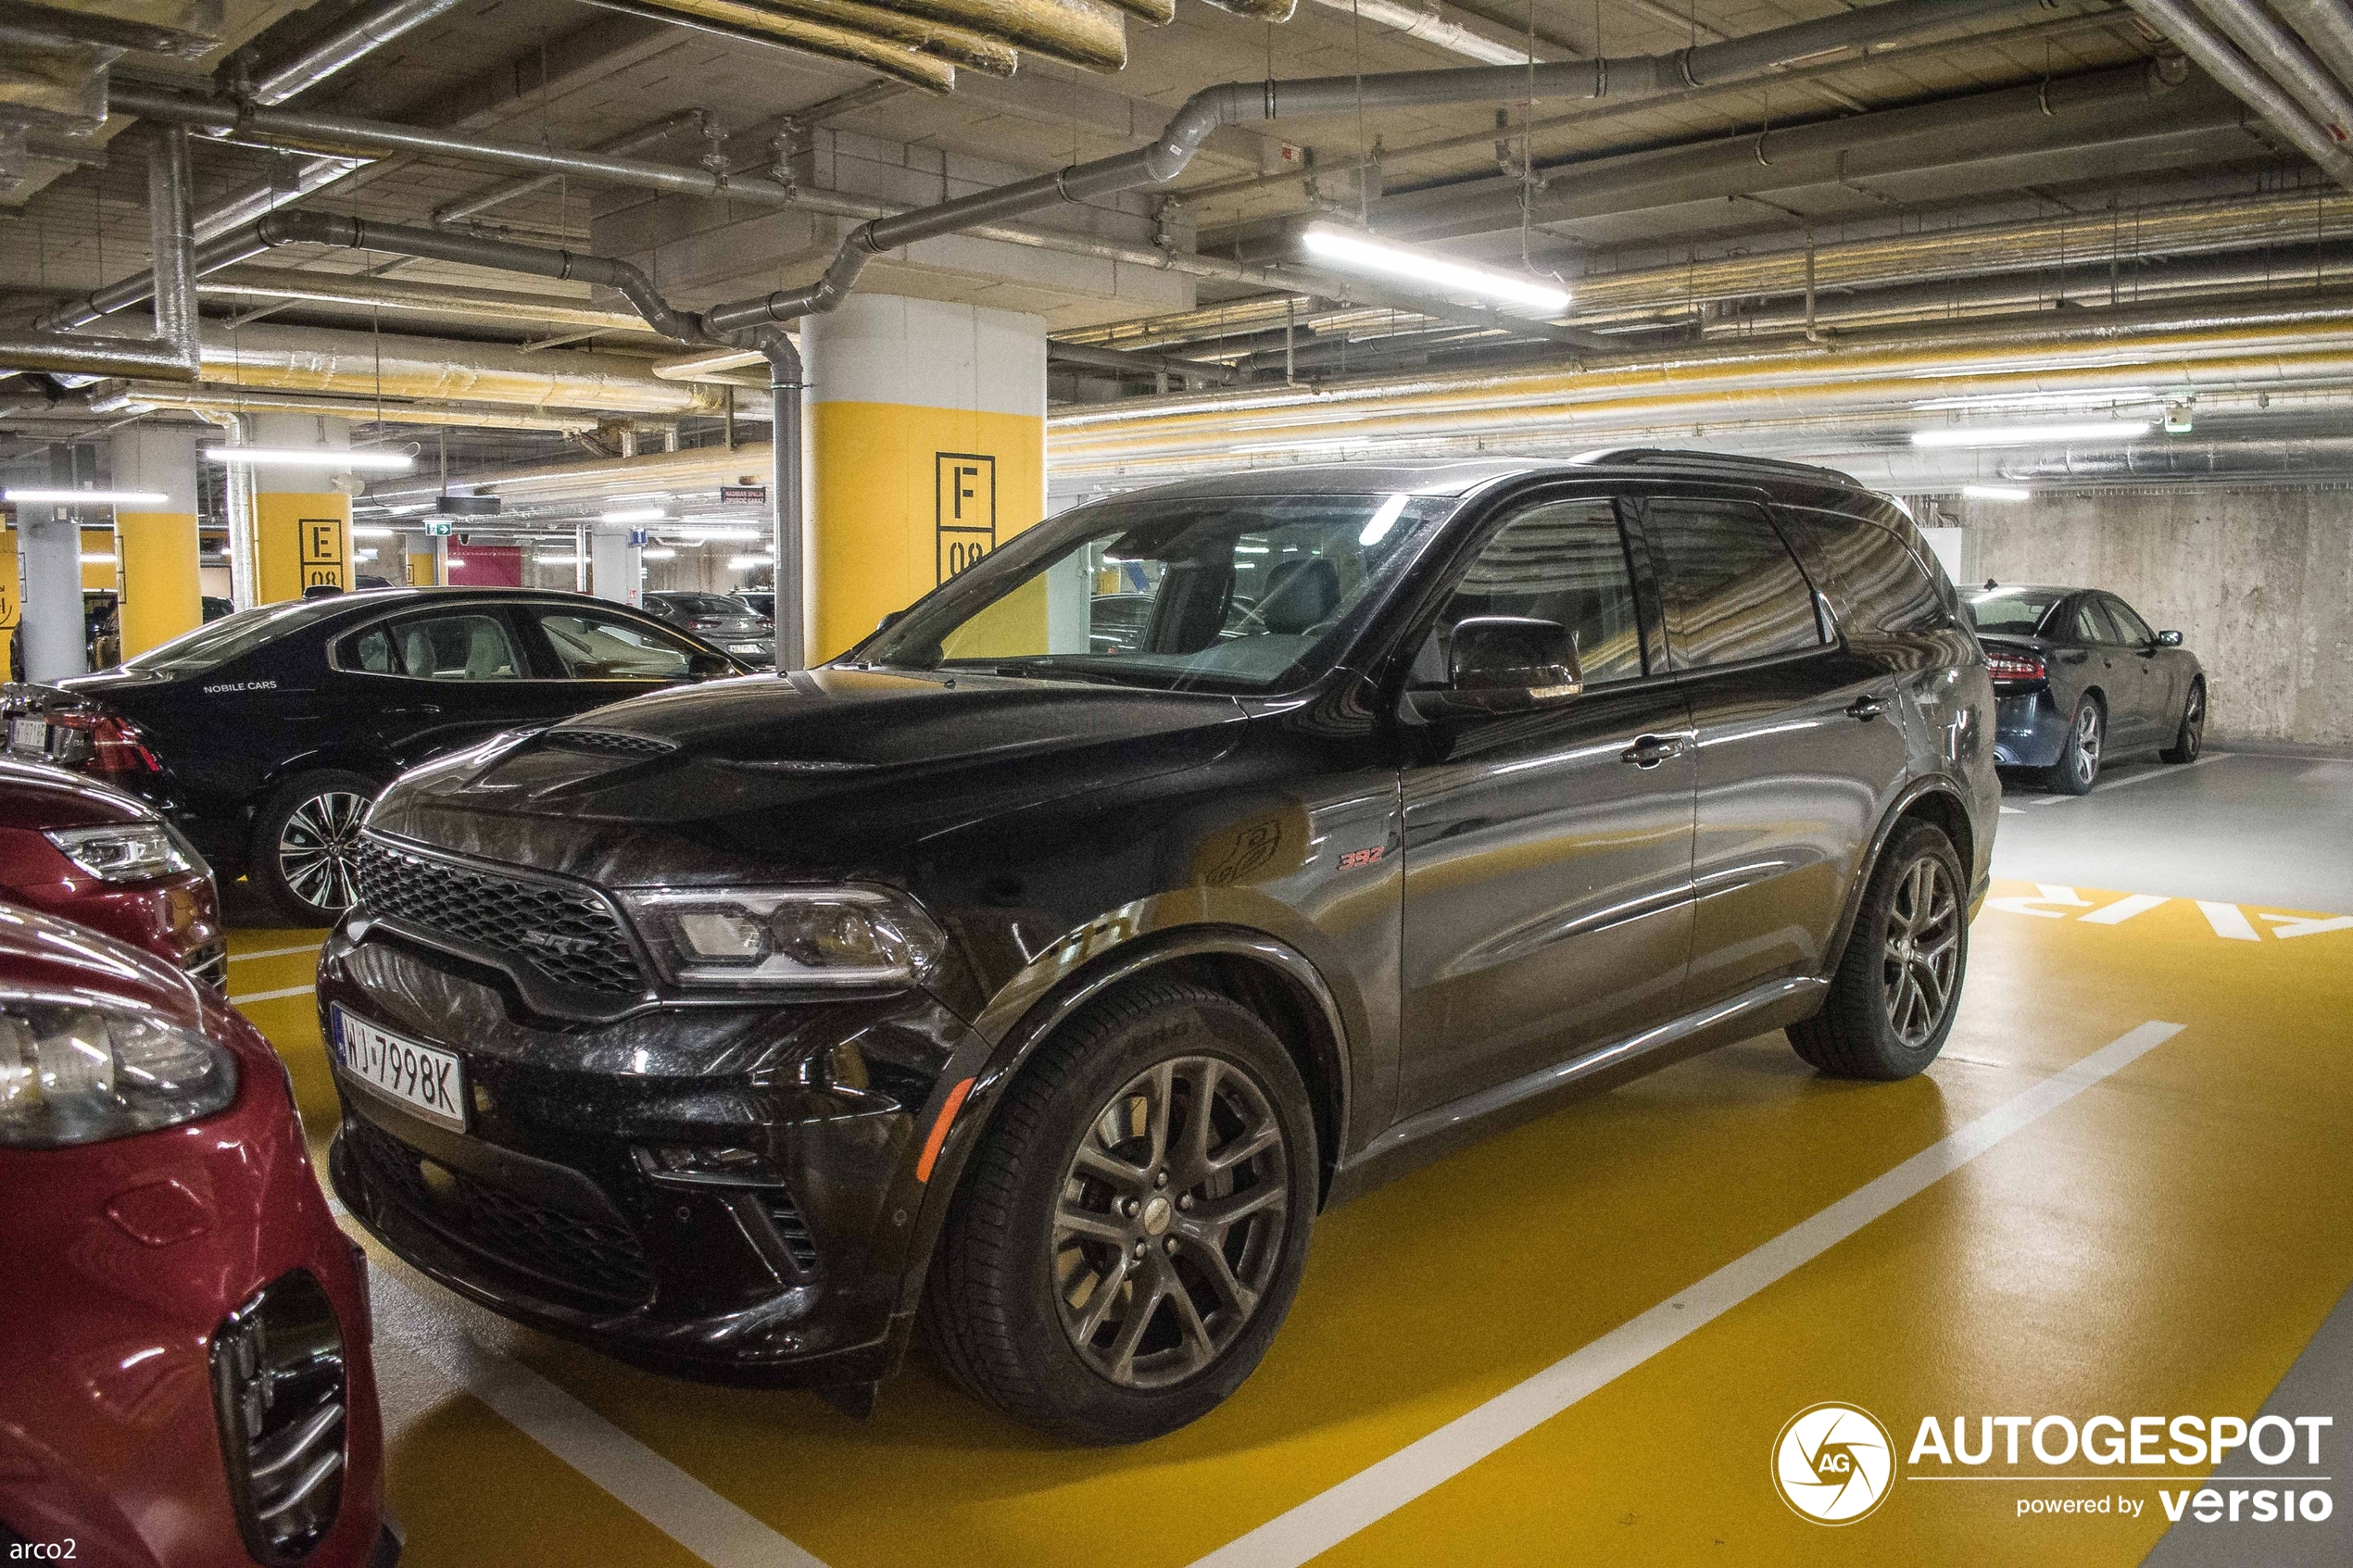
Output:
x=1169 y=1228
x=2194 y=724
x=1923 y=951
x=2087 y=744
x=318 y=848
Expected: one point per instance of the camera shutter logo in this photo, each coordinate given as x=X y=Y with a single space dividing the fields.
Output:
x=1834 y=1463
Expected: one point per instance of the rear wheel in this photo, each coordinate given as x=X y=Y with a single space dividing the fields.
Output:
x=305 y=844
x=2078 y=768
x=1134 y=1225
x=1891 y=1002
x=2190 y=739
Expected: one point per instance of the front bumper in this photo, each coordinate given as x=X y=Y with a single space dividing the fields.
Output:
x=2029 y=729
x=550 y=1208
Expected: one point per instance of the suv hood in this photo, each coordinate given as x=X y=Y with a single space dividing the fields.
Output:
x=822 y=772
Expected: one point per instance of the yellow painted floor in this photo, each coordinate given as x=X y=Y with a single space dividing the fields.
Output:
x=2166 y=1241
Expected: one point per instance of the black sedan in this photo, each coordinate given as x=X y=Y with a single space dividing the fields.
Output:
x=2081 y=679
x=267 y=734
x=724 y=619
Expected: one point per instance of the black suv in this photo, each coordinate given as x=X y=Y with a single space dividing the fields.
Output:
x=1042 y=991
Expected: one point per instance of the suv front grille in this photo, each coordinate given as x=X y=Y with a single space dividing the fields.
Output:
x=210 y=964
x=278 y=1390
x=584 y=1256
x=574 y=938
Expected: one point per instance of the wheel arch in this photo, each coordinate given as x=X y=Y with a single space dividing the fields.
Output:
x=1934 y=800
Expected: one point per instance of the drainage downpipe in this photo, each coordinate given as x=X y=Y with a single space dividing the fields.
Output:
x=2215 y=57
x=238 y=483
x=784 y=384
x=172 y=352
x=1244 y=103
x=364 y=35
x=2282 y=57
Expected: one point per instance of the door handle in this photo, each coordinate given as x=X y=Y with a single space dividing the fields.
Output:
x=1866 y=708
x=422 y=709
x=1649 y=751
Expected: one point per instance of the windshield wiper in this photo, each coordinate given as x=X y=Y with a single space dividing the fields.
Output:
x=1038 y=669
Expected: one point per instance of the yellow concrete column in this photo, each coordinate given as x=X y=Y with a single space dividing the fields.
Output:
x=11 y=604
x=926 y=440
x=162 y=593
x=302 y=528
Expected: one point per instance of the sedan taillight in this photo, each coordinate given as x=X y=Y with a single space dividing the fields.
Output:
x=101 y=742
x=2003 y=665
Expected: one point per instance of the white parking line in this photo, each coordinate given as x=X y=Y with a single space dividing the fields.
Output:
x=272 y=996
x=2165 y=771
x=2229 y=921
x=1324 y=1520
x=275 y=952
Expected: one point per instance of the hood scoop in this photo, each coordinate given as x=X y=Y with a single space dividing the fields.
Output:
x=606 y=743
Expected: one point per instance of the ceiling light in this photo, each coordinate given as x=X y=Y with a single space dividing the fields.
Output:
x=93 y=559
x=657 y=552
x=359 y=531
x=705 y=535
x=635 y=514
x=1997 y=493
x=363 y=555
x=311 y=457
x=745 y=563
x=555 y=561
x=89 y=497
x=2030 y=435
x=1361 y=252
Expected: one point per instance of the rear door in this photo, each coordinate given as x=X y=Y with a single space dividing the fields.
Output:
x=2115 y=670
x=2160 y=700
x=434 y=680
x=1547 y=905
x=1801 y=742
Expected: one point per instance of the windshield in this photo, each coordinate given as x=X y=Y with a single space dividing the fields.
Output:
x=1238 y=595
x=702 y=604
x=217 y=642
x=2016 y=613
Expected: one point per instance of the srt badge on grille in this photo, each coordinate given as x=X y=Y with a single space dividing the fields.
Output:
x=557 y=942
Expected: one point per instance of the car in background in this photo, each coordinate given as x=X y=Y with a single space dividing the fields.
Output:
x=722 y=619
x=215 y=607
x=187 y=1355
x=265 y=734
x=761 y=602
x=2082 y=680
x=72 y=847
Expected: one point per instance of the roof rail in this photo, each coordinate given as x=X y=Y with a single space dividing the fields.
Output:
x=1734 y=462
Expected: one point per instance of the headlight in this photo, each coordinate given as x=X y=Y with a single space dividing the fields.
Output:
x=124 y=851
x=73 y=1070
x=786 y=936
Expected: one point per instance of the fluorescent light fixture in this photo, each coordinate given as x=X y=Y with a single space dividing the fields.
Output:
x=731 y=536
x=555 y=561
x=359 y=531
x=2030 y=435
x=89 y=497
x=363 y=555
x=412 y=509
x=1384 y=518
x=634 y=514
x=311 y=457
x=1362 y=253
x=94 y=559
x=1997 y=493
x=745 y=563
x=657 y=552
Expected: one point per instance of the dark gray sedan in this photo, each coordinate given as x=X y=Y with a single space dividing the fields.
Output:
x=2080 y=679
x=722 y=619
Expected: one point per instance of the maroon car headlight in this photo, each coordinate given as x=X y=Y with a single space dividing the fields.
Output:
x=75 y=1070
x=797 y=936
x=126 y=851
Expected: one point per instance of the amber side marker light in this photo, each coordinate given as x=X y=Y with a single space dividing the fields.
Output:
x=938 y=1134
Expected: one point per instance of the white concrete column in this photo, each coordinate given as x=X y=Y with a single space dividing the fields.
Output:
x=616 y=565
x=54 y=644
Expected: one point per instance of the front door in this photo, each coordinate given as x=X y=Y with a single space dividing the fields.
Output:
x=440 y=679
x=1547 y=853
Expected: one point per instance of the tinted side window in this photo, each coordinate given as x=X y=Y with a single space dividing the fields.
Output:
x=1562 y=561
x=1728 y=585
x=370 y=651
x=1875 y=584
x=458 y=647
x=607 y=647
x=2091 y=625
x=2134 y=630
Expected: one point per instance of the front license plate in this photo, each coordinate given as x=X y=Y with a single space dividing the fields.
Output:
x=425 y=1079
x=28 y=734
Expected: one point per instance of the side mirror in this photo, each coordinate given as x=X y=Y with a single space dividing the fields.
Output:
x=2168 y=639
x=706 y=666
x=1513 y=654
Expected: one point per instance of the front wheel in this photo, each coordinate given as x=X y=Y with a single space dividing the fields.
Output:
x=1134 y=1221
x=1891 y=1002
x=2078 y=768
x=305 y=844
x=2190 y=739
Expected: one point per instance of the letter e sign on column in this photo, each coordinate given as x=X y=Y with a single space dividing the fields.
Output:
x=322 y=552
x=964 y=508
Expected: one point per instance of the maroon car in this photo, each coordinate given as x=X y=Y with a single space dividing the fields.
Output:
x=184 y=1372
x=78 y=850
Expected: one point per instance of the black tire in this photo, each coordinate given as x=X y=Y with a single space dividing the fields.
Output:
x=1029 y=1313
x=303 y=843
x=2078 y=768
x=2190 y=738
x=1891 y=1002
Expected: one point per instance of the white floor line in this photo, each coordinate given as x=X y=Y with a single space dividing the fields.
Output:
x=2229 y=921
x=2124 y=909
x=1324 y=1520
x=2160 y=771
x=272 y=996
x=641 y=1480
x=275 y=952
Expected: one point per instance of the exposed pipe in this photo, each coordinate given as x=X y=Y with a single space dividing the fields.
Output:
x=741 y=22
x=1130 y=363
x=172 y=352
x=2226 y=65
x=140 y=396
x=1432 y=28
x=2282 y=57
x=511 y=189
x=2304 y=458
x=784 y=384
x=964 y=46
x=359 y=291
x=2327 y=25
x=369 y=31
x=238 y=485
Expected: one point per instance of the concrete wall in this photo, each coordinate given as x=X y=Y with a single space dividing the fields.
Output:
x=2258 y=582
